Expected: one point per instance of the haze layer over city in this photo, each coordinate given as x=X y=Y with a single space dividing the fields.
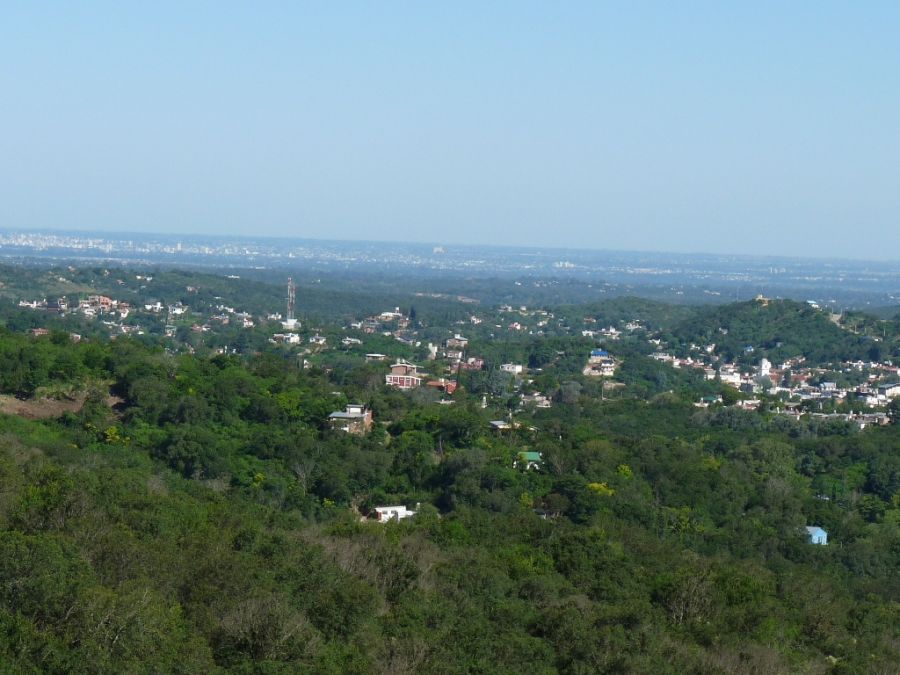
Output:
x=679 y=277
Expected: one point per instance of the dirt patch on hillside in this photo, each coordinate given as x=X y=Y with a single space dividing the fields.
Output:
x=40 y=408
x=48 y=408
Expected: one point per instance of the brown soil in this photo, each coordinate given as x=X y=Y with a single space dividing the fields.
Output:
x=46 y=408
x=40 y=409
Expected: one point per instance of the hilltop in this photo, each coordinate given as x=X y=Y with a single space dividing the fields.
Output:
x=778 y=330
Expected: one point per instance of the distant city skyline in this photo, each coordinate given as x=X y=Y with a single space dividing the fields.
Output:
x=758 y=129
x=175 y=237
x=17 y=243
x=877 y=253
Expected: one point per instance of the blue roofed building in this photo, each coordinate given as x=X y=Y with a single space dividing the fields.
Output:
x=817 y=535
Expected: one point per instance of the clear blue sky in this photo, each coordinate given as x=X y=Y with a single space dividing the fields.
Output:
x=684 y=126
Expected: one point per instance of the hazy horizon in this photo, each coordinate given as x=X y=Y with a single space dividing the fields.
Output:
x=722 y=130
x=448 y=246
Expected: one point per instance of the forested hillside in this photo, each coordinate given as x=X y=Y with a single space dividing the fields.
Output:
x=780 y=328
x=167 y=512
x=488 y=338
x=206 y=518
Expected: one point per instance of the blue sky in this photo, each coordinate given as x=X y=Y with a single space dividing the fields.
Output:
x=694 y=126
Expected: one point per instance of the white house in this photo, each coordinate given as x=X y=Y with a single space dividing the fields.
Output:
x=385 y=513
x=286 y=338
x=889 y=390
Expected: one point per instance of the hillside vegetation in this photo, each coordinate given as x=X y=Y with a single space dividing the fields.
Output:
x=779 y=328
x=211 y=521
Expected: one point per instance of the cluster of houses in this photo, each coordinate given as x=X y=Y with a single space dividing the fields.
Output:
x=391 y=323
x=610 y=332
x=90 y=306
x=858 y=419
x=807 y=386
x=55 y=305
x=229 y=316
x=112 y=312
x=455 y=351
x=792 y=380
x=804 y=389
x=109 y=311
x=531 y=321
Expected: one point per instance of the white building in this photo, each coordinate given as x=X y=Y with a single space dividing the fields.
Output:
x=889 y=390
x=286 y=338
x=385 y=513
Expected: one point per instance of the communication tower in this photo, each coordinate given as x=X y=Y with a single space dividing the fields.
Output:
x=290 y=321
x=291 y=297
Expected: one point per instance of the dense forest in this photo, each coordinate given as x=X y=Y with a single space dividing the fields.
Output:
x=198 y=514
